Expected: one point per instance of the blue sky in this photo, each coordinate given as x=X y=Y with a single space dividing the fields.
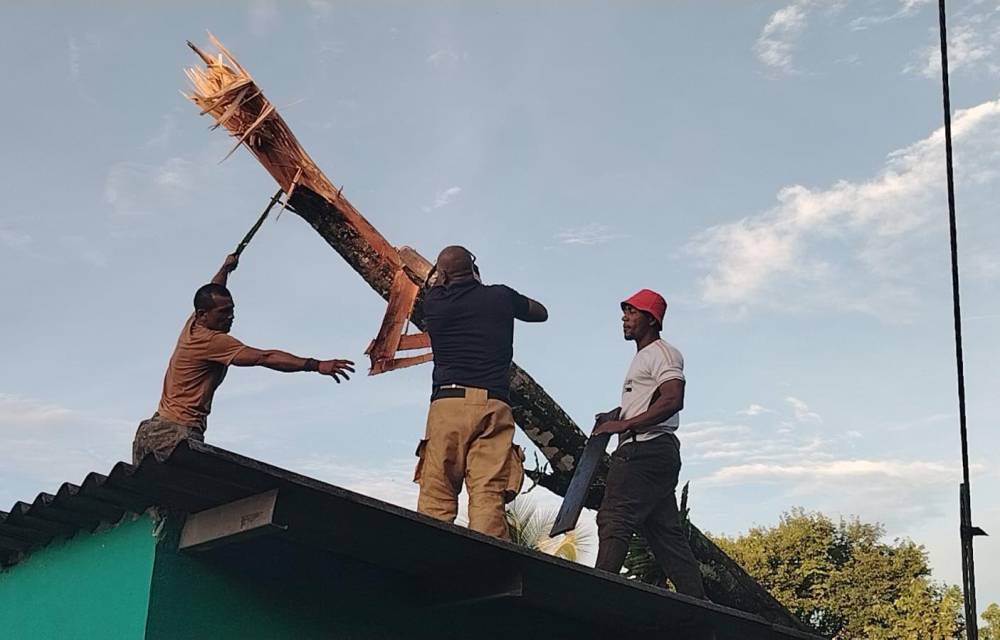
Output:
x=774 y=169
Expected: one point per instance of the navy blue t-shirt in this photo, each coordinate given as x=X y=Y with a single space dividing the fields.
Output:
x=471 y=326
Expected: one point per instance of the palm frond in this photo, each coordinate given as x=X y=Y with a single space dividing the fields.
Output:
x=529 y=527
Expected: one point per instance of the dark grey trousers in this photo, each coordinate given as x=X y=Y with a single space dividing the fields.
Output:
x=640 y=496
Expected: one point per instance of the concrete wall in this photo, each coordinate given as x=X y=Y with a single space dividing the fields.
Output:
x=91 y=586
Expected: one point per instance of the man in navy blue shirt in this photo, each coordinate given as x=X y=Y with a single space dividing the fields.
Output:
x=470 y=428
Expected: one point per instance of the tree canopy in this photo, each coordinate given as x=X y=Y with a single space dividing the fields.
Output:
x=991 y=629
x=845 y=581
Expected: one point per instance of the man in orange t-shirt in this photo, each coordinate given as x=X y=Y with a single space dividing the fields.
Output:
x=198 y=366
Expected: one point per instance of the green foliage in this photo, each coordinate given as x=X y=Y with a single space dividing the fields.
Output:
x=844 y=581
x=991 y=629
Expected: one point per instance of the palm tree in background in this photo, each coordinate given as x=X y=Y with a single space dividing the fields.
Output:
x=529 y=527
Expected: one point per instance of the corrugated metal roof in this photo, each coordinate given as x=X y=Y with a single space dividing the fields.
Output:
x=320 y=516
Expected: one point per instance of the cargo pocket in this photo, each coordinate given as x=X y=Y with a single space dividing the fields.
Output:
x=421 y=448
x=515 y=473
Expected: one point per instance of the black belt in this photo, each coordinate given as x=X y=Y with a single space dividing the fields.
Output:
x=454 y=391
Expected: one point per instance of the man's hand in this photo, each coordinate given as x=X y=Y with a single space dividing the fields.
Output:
x=336 y=368
x=222 y=277
x=609 y=426
x=232 y=261
x=614 y=414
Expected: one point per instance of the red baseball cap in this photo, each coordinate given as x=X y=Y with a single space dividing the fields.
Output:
x=649 y=301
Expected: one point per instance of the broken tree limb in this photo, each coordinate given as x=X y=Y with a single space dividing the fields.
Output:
x=226 y=91
x=382 y=350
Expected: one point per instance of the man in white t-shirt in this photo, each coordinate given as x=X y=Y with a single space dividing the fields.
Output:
x=644 y=468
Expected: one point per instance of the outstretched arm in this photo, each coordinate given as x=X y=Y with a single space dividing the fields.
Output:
x=227 y=267
x=284 y=361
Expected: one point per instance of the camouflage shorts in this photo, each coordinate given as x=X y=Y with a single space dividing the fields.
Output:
x=159 y=436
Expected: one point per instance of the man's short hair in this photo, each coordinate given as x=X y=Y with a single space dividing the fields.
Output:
x=204 y=298
x=456 y=261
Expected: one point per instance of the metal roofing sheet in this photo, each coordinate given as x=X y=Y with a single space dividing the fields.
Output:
x=325 y=517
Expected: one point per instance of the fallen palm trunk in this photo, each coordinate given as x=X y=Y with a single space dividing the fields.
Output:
x=228 y=93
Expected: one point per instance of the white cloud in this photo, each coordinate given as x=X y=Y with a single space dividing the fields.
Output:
x=175 y=173
x=776 y=43
x=709 y=431
x=899 y=493
x=391 y=481
x=801 y=410
x=973 y=44
x=443 y=198
x=321 y=9
x=818 y=467
x=443 y=57
x=716 y=442
x=133 y=188
x=85 y=249
x=45 y=444
x=73 y=54
x=589 y=234
x=916 y=472
x=981 y=266
x=967 y=47
x=161 y=139
x=262 y=15
x=753 y=410
x=853 y=245
x=14 y=239
x=906 y=8
x=75 y=51
x=19 y=412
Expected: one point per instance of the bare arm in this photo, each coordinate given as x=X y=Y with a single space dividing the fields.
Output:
x=536 y=312
x=668 y=399
x=227 y=267
x=284 y=361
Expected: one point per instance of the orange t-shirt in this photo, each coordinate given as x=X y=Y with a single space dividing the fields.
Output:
x=196 y=370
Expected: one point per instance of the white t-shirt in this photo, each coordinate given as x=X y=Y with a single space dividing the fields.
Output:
x=653 y=365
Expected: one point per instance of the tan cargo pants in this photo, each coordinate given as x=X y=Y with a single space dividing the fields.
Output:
x=469 y=439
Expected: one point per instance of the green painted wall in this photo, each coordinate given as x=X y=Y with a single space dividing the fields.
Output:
x=194 y=598
x=91 y=586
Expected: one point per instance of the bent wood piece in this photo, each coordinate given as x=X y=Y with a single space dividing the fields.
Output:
x=226 y=91
x=579 y=486
x=382 y=350
x=411 y=341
